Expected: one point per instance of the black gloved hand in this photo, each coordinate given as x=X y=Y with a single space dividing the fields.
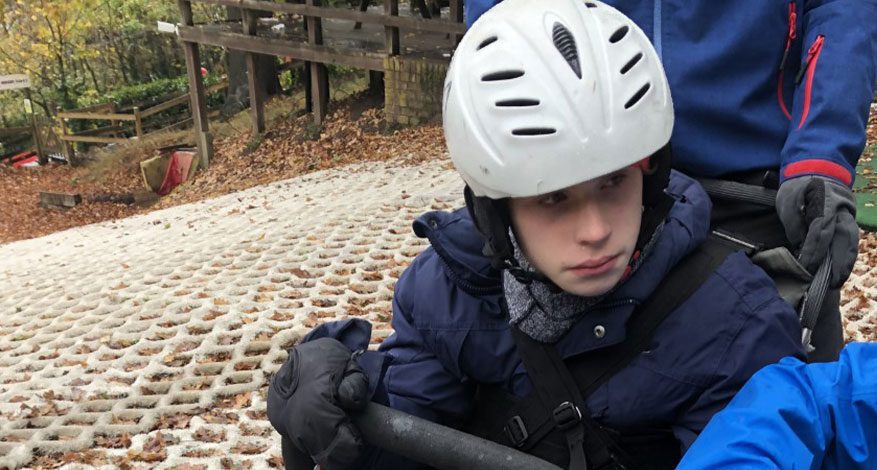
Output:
x=819 y=216
x=309 y=398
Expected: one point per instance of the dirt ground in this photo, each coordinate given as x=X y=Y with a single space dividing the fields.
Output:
x=355 y=131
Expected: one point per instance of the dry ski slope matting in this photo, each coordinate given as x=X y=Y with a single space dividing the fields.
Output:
x=147 y=342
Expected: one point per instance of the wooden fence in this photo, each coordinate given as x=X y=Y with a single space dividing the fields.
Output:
x=46 y=142
x=13 y=138
x=311 y=49
x=109 y=112
x=16 y=133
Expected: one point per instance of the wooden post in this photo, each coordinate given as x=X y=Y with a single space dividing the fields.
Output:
x=306 y=71
x=35 y=132
x=198 y=101
x=391 y=33
x=319 y=77
x=114 y=123
x=363 y=7
x=138 y=122
x=257 y=94
x=456 y=8
x=306 y=81
x=67 y=146
x=375 y=83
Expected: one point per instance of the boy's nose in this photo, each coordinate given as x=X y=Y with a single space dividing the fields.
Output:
x=592 y=226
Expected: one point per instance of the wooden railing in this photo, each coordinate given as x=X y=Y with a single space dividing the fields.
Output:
x=311 y=49
x=13 y=139
x=13 y=131
x=108 y=112
x=389 y=18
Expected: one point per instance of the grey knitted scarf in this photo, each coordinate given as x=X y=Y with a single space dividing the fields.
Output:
x=544 y=314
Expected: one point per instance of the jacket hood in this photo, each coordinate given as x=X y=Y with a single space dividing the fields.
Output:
x=456 y=240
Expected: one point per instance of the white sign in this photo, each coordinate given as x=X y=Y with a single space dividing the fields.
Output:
x=14 y=82
x=28 y=106
x=164 y=27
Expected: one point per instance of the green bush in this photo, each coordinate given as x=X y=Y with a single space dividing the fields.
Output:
x=148 y=92
x=145 y=95
x=342 y=71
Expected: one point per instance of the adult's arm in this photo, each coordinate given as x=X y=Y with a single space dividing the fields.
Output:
x=836 y=87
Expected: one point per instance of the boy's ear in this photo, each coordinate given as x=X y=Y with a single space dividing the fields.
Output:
x=648 y=165
x=657 y=175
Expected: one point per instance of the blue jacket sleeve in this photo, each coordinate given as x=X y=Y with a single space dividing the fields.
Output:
x=473 y=9
x=405 y=375
x=416 y=380
x=834 y=91
x=796 y=415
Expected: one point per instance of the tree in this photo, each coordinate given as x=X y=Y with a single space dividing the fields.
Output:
x=46 y=40
x=79 y=49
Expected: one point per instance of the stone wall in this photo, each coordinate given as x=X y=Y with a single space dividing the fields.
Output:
x=413 y=89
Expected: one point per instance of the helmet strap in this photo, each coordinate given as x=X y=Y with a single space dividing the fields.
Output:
x=656 y=202
x=491 y=218
x=493 y=221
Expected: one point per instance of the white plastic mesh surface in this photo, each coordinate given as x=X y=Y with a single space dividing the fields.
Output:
x=150 y=340
x=171 y=322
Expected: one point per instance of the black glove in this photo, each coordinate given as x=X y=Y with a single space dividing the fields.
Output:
x=309 y=398
x=819 y=216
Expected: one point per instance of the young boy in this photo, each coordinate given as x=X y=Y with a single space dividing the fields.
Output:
x=590 y=323
x=774 y=96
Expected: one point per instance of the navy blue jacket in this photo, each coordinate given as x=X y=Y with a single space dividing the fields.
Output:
x=450 y=334
x=735 y=109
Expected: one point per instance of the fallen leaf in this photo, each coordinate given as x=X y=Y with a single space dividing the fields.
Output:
x=206 y=435
x=248 y=449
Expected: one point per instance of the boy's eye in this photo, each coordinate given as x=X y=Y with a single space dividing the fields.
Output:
x=614 y=180
x=552 y=199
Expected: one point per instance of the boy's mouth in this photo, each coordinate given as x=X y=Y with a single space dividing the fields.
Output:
x=594 y=267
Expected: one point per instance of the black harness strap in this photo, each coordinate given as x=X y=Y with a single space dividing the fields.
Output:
x=557 y=394
x=560 y=390
x=680 y=284
x=560 y=399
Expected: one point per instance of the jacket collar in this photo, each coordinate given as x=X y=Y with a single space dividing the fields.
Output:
x=456 y=241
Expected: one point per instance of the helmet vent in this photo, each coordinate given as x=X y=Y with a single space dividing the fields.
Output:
x=590 y=5
x=502 y=75
x=517 y=103
x=531 y=131
x=487 y=42
x=619 y=34
x=566 y=44
x=630 y=63
x=637 y=96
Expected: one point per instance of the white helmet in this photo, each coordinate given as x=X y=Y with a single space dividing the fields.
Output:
x=542 y=95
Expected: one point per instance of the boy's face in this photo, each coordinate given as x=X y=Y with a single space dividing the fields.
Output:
x=582 y=237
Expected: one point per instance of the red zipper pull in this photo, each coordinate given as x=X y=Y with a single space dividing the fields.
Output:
x=792 y=34
x=811 y=53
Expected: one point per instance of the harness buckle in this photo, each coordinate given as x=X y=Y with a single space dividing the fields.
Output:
x=566 y=416
x=515 y=430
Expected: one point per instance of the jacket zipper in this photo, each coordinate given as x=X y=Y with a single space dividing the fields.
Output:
x=466 y=285
x=810 y=68
x=790 y=38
